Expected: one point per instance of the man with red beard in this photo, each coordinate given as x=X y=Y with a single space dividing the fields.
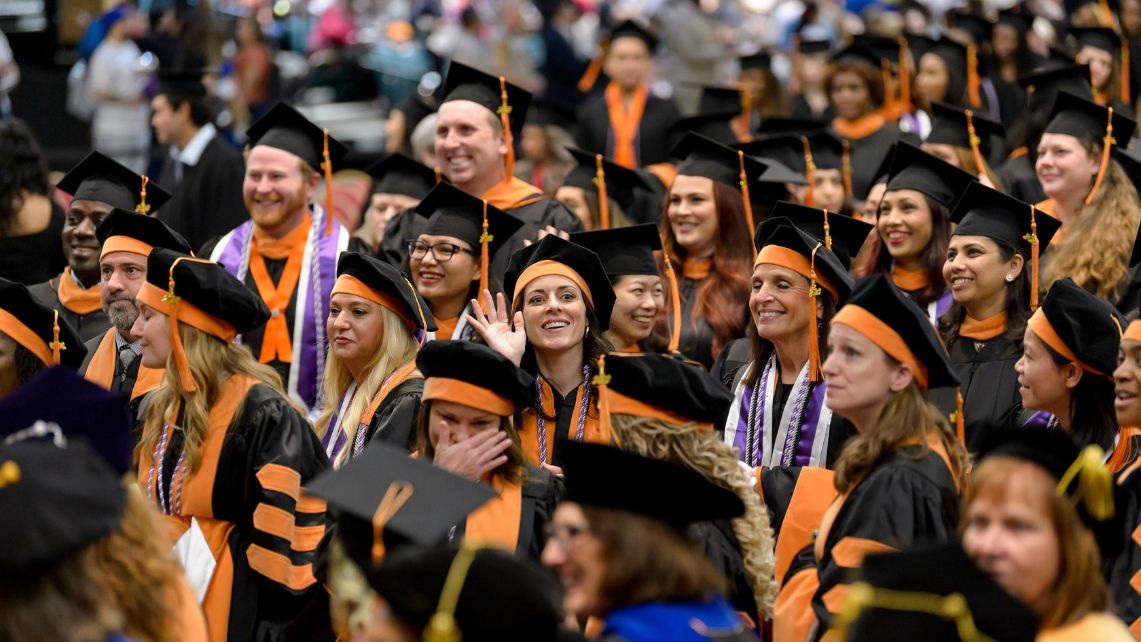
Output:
x=287 y=252
x=97 y=185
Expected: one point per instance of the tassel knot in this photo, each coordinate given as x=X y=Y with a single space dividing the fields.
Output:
x=143 y=207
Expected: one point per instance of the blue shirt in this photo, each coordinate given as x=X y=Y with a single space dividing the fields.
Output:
x=677 y=622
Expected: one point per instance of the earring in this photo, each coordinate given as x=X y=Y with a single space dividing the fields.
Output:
x=1010 y=278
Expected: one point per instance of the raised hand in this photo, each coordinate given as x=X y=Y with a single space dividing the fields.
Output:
x=496 y=327
x=474 y=456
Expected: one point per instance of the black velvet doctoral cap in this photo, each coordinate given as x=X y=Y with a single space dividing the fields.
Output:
x=1082 y=118
x=760 y=60
x=583 y=262
x=848 y=234
x=879 y=297
x=983 y=211
x=98 y=178
x=621 y=183
x=1102 y=38
x=453 y=212
x=208 y=286
x=631 y=29
x=781 y=232
x=707 y=158
x=284 y=128
x=478 y=365
x=33 y=326
x=501 y=597
x=1045 y=84
x=81 y=411
x=941 y=572
x=914 y=169
x=1087 y=325
x=468 y=83
x=949 y=127
x=398 y=174
x=56 y=500
x=624 y=250
x=598 y=475
x=145 y=229
x=669 y=382
x=390 y=283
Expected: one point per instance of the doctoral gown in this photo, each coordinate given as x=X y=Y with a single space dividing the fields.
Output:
x=653 y=142
x=104 y=367
x=1122 y=567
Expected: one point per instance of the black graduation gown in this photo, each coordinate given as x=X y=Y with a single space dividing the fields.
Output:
x=535 y=216
x=35 y=258
x=1122 y=565
x=801 y=109
x=868 y=153
x=88 y=326
x=696 y=341
x=719 y=544
x=653 y=142
x=988 y=382
x=123 y=381
x=207 y=202
x=394 y=422
x=1020 y=180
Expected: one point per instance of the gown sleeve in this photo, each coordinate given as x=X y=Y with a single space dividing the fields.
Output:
x=395 y=420
x=542 y=495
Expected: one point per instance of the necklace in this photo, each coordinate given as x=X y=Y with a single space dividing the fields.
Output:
x=542 y=423
x=158 y=457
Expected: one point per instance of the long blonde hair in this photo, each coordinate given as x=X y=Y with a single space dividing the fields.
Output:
x=701 y=451
x=212 y=362
x=397 y=347
x=1099 y=238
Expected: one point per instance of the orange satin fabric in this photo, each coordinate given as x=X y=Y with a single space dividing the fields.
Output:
x=75 y=298
x=625 y=123
x=101 y=369
x=276 y=343
x=985 y=329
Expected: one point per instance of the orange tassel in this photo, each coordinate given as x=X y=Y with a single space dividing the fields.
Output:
x=56 y=345
x=602 y=382
x=974 y=139
x=827 y=231
x=809 y=173
x=1106 y=13
x=744 y=121
x=603 y=199
x=889 y=105
x=1032 y=239
x=745 y=197
x=960 y=426
x=973 y=77
x=904 y=76
x=594 y=69
x=439 y=174
x=485 y=240
x=675 y=298
x=397 y=494
x=1107 y=147
x=504 y=112
x=143 y=207
x=1126 y=95
x=813 y=335
x=846 y=167
x=327 y=165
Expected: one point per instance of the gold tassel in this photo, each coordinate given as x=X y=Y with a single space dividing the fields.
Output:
x=813 y=334
x=442 y=625
x=745 y=195
x=56 y=345
x=1032 y=239
x=827 y=231
x=975 y=141
x=143 y=207
x=485 y=240
x=602 y=382
x=809 y=173
x=603 y=199
x=675 y=300
x=1095 y=482
x=904 y=76
x=1107 y=147
x=504 y=112
x=973 y=77
x=397 y=494
x=594 y=69
x=327 y=165
x=1106 y=13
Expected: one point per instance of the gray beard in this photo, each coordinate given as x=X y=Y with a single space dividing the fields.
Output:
x=123 y=319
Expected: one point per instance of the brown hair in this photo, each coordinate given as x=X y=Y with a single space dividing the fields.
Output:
x=648 y=561
x=967 y=162
x=514 y=470
x=1079 y=589
x=868 y=74
x=64 y=602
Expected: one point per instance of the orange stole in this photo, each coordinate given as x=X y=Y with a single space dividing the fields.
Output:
x=512 y=192
x=983 y=329
x=445 y=328
x=861 y=127
x=1050 y=207
x=402 y=374
x=75 y=298
x=276 y=343
x=813 y=495
x=189 y=625
x=592 y=430
x=625 y=123
x=908 y=280
x=101 y=370
x=496 y=523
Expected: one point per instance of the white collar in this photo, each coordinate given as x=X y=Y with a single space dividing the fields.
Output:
x=193 y=150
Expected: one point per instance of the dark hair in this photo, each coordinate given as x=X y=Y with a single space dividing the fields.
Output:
x=956 y=92
x=1026 y=131
x=24 y=169
x=762 y=348
x=514 y=470
x=1092 y=417
x=201 y=112
x=934 y=255
x=1016 y=305
x=870 y=75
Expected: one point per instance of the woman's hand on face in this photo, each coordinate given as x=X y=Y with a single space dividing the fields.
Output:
x=496 y=327
x=475 y=455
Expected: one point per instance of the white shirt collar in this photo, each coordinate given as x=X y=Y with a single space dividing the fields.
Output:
x=193 y=151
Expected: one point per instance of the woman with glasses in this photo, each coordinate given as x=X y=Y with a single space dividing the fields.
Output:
x=446 y=262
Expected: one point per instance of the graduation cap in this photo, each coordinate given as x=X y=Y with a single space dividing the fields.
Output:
x=123 y=231
x=183 y=84
x=631 y=29
x=509 y=101
x=483 y=594
x=914 y=169
x=59 y=406
x=553 y=255
x=964 y=128
x=99 y=178
x=885 y=48
x=797 y=126
x=858 y=52
x=549 y=113
x=453 y=212
x=976 y=26
x=759 y=60
x=708 y=158
x=372 y=279
x=624 y=250
x=1045 y=84
x=384 y=495
x=56 y=501
x=841 y=234
x=606 y=477
x=813 y=47
x=781 y=243
x=473 y=374
x=720 y=99
x=666 y=387
x=934 y=594
x=1083 y=119
x=285 y=128
x=1102 y=38
x=778 y=173
x=962 y=66
x=716 y=126
x=201 y=294
x=983 y=211
x=1079 y=325
x=787 y=149
x=38 y=329
x=620 y=183
x=399 y=174
x=887 y=317
x=1018 y=16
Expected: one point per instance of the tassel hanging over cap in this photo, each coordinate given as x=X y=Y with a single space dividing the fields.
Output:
x=397 y=494
x=974 y=139
x=813 y=326
x=594 y=69
x=327 y=165
x=973 y=80
x=143 y=207
x=846 y=166
x=1095 y=483
x=602 y=382
x=1032 y=239
x=745 y=196
x=1107 y=144
x=504 y=112
x=809 y=173
x=904 y=76
x=675 y=303
x=603 y=199
x=56 y=345
x=485 y=240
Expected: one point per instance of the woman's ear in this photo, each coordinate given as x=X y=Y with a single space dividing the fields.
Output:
x=1072 y=374
x=901 y=377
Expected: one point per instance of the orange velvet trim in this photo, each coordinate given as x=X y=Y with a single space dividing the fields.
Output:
x=861 y=127
x=78 y=300
x=23 y=335
x=468 y=394
x=625 y=123
x=1042 y=327
x=814 y=492
x=795 y=261
x=349 y=284
x=124 y=244
x=793 y=616
x=280 y=479
x=909 y=280
x=985 y=329
x=549 y=268
x=101 y=368
x=496 y=523
x=1133 y=331
x=151 y=295
x=280 y=568
x=281 y=523
x=883 y=336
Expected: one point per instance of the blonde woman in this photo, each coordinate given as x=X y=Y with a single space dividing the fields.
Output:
x=377 y=323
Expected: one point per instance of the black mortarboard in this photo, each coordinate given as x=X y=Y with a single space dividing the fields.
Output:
x=468 y=83
x=882 y=606
x=207 y=286
x=706 y=157
x=436 y=501
x=954 y=57
x=33 y=326
x=622 y=184
x=1086 y=324
x=391 y=286
x=99 y=178
x=1102 y=38
x=79 y=409
x=796 y=126
x=55 y=501
x=499 y=597
x=624 y=250
x=787 y=149
x=182 y=84
x=581 y=261
x=812 y=47
x=398 y=174
x=858 y=52
x=715 y=126
x=1084 y=118
x=546 y=112
x=1045 y=84
x=719 y=99
x=631 y=29
x=760 y=60
x=779 y=231
x=138 y=232
x=475 y=364
x=878 y=296
x=827 y=150
x=453 y=212
x=976 y=26
x=284 y=128
x=885 y=48
x=1018 y=16
x=983 y=211
x=912 y=168
x=846 y=233
x=777 y=173
x=949 y=127
x=683 y=389
x=606 y=477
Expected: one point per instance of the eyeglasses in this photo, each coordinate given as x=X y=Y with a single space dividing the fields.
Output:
x=564 y=534
x=442 y=251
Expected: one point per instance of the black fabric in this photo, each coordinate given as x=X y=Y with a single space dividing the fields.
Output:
x=536 y=216
x=760 y=60
x=983 y=211
x=477 y=365
x=847 y=234
x=988 y=382
x=1082 y=118
x=809 y=47
x=915 y=169
x=787 y=149
x=1102 y=38
x=395 y=420
x=705 y=157
x=405 y=226
x=207 y=201
x=624 y=250
x=1120 y=568
x=632 y=29
x=780 y=232
x=653 y=141
x=858 y=52
x=1020 y=180
x=1045 y=84
x=954 y=57
x=399 y=174
x=669 y=382
x=284 y=128
x=16 y=299
x=796 y=126
x=1087 y=324
x=99 y=178
x=450 y=211
x=85 y=326
x=467 y=83
x=37 y=257
x=622 y=184
x=719 y=544
x=147 y=229
x=182 y=84
x=867 y=154
x=696 y=340
x=949 y=127
x=583 y=261
x=384 y=278
x=209 y=287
